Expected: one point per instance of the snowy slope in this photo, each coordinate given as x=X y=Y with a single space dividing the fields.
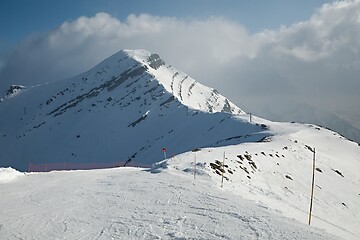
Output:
x=277 y=174
x=8 y=175
x=123 y=111
x=130 y=203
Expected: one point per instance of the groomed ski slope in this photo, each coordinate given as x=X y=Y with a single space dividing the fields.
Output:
x=132 y=203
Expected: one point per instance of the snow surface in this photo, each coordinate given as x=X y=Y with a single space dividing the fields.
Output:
x=166 y=202
x=277 y=175
x=132 y=203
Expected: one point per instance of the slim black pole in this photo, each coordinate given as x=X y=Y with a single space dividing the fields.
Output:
x=312 y=187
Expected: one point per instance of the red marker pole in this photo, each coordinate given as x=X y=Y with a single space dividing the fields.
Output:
x=164 y=151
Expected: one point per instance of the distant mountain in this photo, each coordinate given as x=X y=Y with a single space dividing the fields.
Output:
x=123 y=111
x=301 y=112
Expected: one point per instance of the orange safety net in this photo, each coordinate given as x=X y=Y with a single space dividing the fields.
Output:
x=46 y=167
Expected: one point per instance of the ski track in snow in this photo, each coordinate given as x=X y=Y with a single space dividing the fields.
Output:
x=131 y=203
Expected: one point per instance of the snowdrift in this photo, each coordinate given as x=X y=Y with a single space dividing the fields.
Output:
x=9 y=174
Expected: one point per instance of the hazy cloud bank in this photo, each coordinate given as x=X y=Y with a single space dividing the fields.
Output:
x=314 y=63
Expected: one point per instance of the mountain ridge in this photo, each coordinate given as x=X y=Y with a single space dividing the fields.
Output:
x=119 y=96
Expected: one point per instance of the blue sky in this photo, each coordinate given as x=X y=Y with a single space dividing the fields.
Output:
x=284 y=60
x=20 y=18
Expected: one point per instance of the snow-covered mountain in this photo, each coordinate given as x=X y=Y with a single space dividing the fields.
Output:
x=123 y=111
x=128 y=108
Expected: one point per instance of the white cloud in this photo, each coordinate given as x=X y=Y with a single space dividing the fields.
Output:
x=78 y=45
x=315 y=62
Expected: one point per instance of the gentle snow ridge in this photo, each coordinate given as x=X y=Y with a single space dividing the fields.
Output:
x=9 y=174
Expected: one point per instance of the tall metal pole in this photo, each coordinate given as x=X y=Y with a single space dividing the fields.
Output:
x=312 y=187
x=222 y=172
x=194 y=166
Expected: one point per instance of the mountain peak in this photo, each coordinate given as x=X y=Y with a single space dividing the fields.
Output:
x=132 y=100
x=143 y=56
x=12 y=91
x=181 y=86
